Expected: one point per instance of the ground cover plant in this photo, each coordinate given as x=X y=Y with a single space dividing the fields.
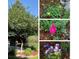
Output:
x=54 y=29
x=54 y=9
x=54 y=50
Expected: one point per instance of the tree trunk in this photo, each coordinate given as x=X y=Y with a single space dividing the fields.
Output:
x=21 y=47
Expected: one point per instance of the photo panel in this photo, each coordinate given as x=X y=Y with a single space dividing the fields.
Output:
x=59 y=9
x=54 y=30
x=22 y=29
x=54 y=50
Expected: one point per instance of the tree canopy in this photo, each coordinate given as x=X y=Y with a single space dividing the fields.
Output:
x=19 y=20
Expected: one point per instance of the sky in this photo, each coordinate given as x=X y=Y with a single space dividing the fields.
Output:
x=31 y=5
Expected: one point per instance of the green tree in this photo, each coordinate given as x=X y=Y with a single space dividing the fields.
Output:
x=20 y=20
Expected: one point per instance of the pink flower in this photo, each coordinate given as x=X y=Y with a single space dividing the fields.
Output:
x=52 y=29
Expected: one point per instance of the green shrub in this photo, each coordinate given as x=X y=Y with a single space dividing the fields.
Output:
x=28 y=51
x=33 y=42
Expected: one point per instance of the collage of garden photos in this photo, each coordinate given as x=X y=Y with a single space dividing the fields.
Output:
x=38 y=29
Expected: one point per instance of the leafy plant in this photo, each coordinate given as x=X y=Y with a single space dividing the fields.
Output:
x=53 y=56
x=28 y=51
x=45 y=25
x=66 y=14
x=65 y=46
x=55 y=11
x=33 y=42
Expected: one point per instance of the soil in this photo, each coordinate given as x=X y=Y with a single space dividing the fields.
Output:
x=34 y=53
x=45 y=35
